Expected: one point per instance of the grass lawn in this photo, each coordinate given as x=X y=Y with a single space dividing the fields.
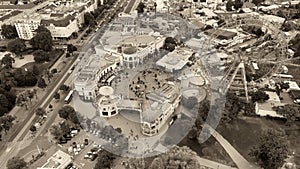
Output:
x=210 y=149
x=244 y=133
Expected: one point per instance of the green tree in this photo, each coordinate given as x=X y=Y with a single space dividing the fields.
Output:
x=271 y=150
x=135 y=163
x=56 y=96
x=260 y=96
x=7 y=61
x=41 y=56
x=64 y=87
x=140 y=8
x=16 y=46
x=71 y=48
x=32 y=129
x=105 y=160
x=6 y=122
x=16 y=163
x=170 y=44
x=35 y=70
x=89 y=19
x=290 y=111
x=257 y=2
x=9 y=31
x=40 y=112
x=177 y=157
x=42 y=83
x=56 y=132
x=238 y=4
x=229 y=5
x=42 y=40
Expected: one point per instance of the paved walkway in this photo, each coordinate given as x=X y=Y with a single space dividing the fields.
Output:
x=212 y=164
x=238 y=159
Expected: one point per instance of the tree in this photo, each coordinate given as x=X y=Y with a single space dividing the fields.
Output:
x=64 y=87
x=56 y=132
x=105 y=160
x=290 y=111
x=42 y=40
x=7 y=61
x=42 y=83
x=9 y=31
x=32 y=129
x=41 y=56
x=229 y=5
x=53 y=71
x=170 y=44
x=68 y=113
x=177 y=157
x=16 y=46
x=135 y=163
x=89 y=19
x=35 y=70
x=238 y=4
x=6 y=122
x=16 y=163
x=260 y=96
x=56 y=96
x=140 y=8
x=257 y=2
x=155 y=6
x=271 y=150
x=40 y=112
x=71 y=48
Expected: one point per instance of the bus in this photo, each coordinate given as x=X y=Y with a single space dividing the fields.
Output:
x=69 y=97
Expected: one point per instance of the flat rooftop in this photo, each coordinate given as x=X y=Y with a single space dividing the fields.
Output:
x=175 y=60
x=59 y=160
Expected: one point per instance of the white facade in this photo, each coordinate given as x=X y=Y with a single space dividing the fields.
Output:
x=162 y=105
x=63 y=32
x=26 y=27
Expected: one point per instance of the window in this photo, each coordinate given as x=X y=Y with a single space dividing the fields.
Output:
x=113 y=112
x=105 y=113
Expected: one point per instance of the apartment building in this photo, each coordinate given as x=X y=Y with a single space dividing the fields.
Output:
x=62 y=18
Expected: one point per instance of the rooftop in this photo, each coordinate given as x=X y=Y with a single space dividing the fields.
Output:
x=175 y=60
x=59 y=161
x=9 y=14
x=159 y=101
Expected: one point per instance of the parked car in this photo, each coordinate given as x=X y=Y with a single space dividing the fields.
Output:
x=94 y=156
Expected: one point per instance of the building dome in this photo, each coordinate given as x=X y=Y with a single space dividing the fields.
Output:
x=129 y=50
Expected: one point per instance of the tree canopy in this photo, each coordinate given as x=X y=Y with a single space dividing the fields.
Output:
x=229 y=5
x=170 y=44
x=271 y=150
x=9 y=31
x=41 y=56
x=16 y=163
x=68 y=113
x=260 y=96
x=105 y=160
x=42 y=40
x=140 y=8
x=177 y=157
x=7 y=61
x=16 y=46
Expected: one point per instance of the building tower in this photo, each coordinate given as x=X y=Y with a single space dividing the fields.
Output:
x=107 y=103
